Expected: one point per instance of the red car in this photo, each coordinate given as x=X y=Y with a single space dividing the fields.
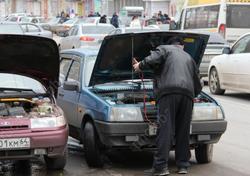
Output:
x=31 y=124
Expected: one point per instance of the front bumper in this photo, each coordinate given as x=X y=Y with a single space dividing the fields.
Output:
x=135 y=135
x=51 y=143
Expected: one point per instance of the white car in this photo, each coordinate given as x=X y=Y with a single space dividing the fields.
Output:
x=231 y=71
x=33 y=29
x=82 y=35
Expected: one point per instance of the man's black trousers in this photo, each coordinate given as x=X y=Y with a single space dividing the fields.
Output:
x=174 y=118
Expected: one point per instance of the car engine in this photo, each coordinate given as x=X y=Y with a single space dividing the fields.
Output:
x=22 y=107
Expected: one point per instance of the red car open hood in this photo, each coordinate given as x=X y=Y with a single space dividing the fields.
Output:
x=32 y=56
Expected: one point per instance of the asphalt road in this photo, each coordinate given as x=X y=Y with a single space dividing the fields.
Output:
x=231 y=154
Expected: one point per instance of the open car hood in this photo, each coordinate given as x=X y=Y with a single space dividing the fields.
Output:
x=114 y=60
x=32 y=56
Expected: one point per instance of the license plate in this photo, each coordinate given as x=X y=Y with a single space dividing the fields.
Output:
x=14 y=143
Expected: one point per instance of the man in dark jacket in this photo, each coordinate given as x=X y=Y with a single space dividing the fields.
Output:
x=176 y=84
x=114 y=20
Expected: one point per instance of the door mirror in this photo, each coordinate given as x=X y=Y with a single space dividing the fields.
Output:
x=71 y=85
x=226 y=50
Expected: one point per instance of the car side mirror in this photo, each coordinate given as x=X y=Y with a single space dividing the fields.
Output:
x=71 y=86
x=226 y=50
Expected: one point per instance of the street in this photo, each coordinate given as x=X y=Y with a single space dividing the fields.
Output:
x=231 y=154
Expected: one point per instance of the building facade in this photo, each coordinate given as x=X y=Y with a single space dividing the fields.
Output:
x=50 y=8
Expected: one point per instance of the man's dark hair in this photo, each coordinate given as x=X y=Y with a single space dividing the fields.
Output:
x=176 y=41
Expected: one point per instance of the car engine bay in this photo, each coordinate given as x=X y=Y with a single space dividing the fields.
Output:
x=23 y=107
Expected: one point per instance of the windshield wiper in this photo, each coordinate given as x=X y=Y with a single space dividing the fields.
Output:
x=3 y=89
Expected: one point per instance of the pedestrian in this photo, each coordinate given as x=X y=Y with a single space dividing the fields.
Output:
x=166 y=19
x=103 y=19
x=135 y=22
x=91 y=14
x=176 y=84
x=114 y=20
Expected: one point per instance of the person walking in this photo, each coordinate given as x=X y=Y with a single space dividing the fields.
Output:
x=135 y=22
x=114 y=20
x=103 y=19
x=176 y=84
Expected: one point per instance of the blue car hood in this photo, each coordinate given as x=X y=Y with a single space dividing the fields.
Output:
x=114 y=60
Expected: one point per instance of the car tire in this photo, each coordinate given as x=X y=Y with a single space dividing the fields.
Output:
x=92 y=146
x=57 y=163
x=214 y=83
x=204 y=153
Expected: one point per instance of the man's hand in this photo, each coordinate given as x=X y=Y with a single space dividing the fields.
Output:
x=136 y=65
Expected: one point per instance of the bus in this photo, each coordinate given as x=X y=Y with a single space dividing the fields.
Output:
x=230 y=18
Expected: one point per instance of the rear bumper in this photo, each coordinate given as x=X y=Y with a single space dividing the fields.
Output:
x=50 y=143
x=136 y=134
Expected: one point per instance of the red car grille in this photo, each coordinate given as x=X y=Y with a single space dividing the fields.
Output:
x=14 y=127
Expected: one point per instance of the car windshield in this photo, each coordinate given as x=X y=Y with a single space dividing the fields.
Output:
x=97 y=29
x=71 y=21
x=54 y=20
x=238 y=16
x=20 y=82
x=10 y=29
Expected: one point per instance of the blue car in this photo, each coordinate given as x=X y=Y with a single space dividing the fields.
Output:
x=109 y=106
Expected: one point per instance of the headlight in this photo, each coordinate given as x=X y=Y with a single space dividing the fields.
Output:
x=126 y=114
x=209 y=112
x=48 y=122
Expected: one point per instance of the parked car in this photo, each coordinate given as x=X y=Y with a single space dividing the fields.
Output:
x=31 y=124
x=108 y=106
x=230 y=71
x=54 y=23
x=33 y=29
x=10 y=28
x=215 y=46
x=83 y=35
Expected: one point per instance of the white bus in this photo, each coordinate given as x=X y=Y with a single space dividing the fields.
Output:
x=230 y=18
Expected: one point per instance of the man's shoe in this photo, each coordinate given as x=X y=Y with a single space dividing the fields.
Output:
x=183 y=170
x=156 y=172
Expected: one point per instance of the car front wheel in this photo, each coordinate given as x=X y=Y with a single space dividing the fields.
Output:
x=204 y=153
x=214 y=83
x=56 y=163
x=92 y=146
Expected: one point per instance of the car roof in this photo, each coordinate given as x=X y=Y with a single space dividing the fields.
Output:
x=81 y=51
x=93 y=24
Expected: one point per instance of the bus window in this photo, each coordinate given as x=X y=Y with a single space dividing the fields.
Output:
x=202 y=17
x=238 y=16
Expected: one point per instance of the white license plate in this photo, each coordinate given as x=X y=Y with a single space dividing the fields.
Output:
x=14 y=143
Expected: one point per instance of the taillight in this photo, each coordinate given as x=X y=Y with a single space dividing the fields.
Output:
x=86 y=38
x=222 y=30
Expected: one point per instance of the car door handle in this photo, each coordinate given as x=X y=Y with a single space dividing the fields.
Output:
x=61 y=95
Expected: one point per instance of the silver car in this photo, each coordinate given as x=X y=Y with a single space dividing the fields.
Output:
x=10 y=28
x=82 y=35
x=215 y=46
x=33 y=29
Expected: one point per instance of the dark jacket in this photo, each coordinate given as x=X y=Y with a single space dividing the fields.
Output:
x=114 y=21
x=175 y=71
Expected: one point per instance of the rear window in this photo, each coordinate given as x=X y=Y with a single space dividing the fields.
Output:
x=202 y=17
x=97 y=29
x=238 y=16
x=10 y=29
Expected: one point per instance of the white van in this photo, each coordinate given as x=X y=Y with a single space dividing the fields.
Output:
x=127 y=12
x=228 y=17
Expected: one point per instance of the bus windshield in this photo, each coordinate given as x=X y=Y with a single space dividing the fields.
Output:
x=238 y=16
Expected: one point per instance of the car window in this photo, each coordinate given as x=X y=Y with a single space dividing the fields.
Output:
x=32 y=28
x=71 y=31
x=64 y=67
x=74 y=72
x=242 y=46
x=97 y=29
x=75 y=31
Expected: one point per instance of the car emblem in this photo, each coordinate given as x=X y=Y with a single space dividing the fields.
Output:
x=4 y=123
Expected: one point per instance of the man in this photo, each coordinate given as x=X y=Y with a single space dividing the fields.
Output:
x=176 y=84
x=114 y=20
